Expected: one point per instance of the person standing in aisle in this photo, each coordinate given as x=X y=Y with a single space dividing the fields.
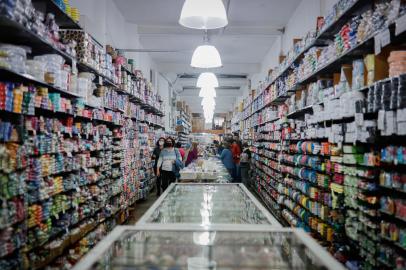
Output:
x=236 y=151
x=227 y=158
x=192 y=154
x=220 y=148
x=181 y=150
x=155 y=155
x=245 y=164
x=169 y=163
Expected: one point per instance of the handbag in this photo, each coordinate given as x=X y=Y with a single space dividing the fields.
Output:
x=178 y=164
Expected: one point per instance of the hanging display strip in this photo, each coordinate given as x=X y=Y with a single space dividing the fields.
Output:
x=76 y=131
x=328 y=136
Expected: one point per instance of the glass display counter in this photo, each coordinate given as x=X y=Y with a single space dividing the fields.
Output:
x=150 y=247
x=210 y=169
x=208 y=205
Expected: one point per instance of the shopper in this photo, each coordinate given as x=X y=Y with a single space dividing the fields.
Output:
x=227 y=159
x=169 y=163
x=236 y=151
x=245 y=164
x=192 y=154
x=220 y=148
x=155 y=155
x=181 y=150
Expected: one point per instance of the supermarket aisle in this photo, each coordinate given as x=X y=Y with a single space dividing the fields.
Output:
x=140 y=208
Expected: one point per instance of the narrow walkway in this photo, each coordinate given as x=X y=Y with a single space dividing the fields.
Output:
x=140 y=208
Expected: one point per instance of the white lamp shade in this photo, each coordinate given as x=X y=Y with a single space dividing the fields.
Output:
x=206 y=56
x=209 y=109
x=207 y=93
x=207 y=79
x=203 y=14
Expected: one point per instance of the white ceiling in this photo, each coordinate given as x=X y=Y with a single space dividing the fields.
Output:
x=253 y=27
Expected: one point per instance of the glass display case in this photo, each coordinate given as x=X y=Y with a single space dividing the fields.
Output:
x=153 y=248
x=208 y=205
x=205 y=170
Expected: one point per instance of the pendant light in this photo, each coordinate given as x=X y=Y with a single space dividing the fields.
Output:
x=206 y=80
x=207 y=92
x=206 y=56
x=208 y=101
x=203 y=14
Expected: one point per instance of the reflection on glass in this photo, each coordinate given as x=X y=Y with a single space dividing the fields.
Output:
x=206 y=205
x=147 y=250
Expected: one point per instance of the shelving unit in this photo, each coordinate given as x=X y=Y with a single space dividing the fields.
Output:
x=72 y=169
x=328 y=161
x=183 y=122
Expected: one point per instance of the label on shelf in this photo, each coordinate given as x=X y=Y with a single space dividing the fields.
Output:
x=377 y=42
x=384 y=36
x=74 y=67
x=400 y=25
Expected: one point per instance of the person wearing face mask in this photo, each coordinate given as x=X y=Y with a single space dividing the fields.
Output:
x=169 y=163
x=155 y=155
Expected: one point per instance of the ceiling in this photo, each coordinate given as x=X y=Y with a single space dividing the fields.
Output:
x=253 y=27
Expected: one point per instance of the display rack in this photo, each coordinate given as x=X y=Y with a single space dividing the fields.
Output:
x=71 y=161
x=329 y=136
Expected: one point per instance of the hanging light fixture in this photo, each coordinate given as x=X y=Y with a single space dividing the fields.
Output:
x=208 y=116
x=208 y=92
x=206 y=56
x=207 y=79
x=208 y=101
x=207 y=14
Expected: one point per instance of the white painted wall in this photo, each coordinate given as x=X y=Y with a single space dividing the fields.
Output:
x=302 y=21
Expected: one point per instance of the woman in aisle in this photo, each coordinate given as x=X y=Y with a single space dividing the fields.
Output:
x=245 y=164
x=192 y=154
x=227 y=159
x=168 y=163
x=155 y=155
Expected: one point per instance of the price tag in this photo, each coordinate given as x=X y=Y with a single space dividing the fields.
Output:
x=74 y=67
x=385 y=38
x=381 y=120
x=377 y=42
x=100 y=80
x=359 y=119
x=400 y=25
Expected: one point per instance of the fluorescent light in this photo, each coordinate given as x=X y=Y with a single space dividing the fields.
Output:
x=206 y=56
x=207 y=79
x=203 y=14
x=207 y=93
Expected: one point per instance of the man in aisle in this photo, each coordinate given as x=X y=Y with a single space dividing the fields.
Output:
x=181 y=150
x=236 y=151
x=227 y=158
x=155 y=155
x=245 y=164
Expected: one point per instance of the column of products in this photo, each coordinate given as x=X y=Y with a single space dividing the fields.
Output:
x=329 y=128
x=73 y=153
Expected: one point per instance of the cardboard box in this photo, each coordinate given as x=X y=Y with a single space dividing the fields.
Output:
x=377 y=67
x=197 y=124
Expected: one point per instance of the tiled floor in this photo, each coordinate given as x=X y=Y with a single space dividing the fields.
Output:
x=140 y=208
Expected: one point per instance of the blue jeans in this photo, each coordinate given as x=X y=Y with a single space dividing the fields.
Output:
x=244 y=168
x=237 y=173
